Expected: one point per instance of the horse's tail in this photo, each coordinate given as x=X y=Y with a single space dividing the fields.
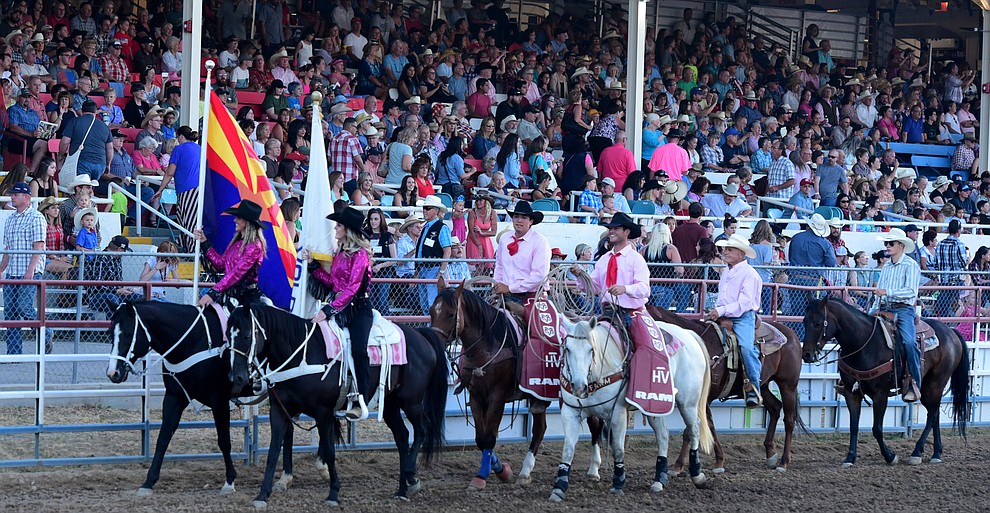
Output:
x=706 y=441
x=435 y=403
x=960 y=388
x=798 y=418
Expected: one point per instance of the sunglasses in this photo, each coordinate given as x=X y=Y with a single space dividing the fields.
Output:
x=889 y=243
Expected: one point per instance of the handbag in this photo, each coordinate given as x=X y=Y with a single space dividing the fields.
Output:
x=71 y=164
x=383 y=165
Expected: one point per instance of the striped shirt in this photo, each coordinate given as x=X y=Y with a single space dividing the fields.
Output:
x=901 y=280
x=950 y=256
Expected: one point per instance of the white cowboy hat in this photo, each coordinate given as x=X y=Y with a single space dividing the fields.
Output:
x=917 y=83
x=864 y=95
x=413 y=100
x=731 y=189
x=616 y=86
x=426 y=52
x=896 y=81
x=82 y=179
x=905 y=172
x=738 y=242
x=942 y=180
x=835 y=222
x=750 y=96
x=276 y=56
x=581 y=71
x=683 y=118
x=12 y=35
x=508 y=119
x=454 y=241
x=665 y=120
x=611 y=35
x=432 y=201
x=371 y=131
x=411 y=220
x=898 y=235
x=77 y=220
x=853 y=81
x=818 y=225
x=674 y=190
x=340 y=108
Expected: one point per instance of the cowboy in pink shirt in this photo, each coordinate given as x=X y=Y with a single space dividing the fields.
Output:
x=670 y=157
x=522 y=260
x=621 y=275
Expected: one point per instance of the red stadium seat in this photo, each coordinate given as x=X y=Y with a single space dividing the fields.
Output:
x=130 y=133
x=250 y=97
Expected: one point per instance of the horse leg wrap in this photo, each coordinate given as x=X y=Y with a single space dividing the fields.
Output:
x=619 y=477
x=563 y=477
x=694 y=465
x=661 y=475
x=486 y=463
x=496 y=464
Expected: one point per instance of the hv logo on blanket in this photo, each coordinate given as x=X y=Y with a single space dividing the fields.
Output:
x=661 y=375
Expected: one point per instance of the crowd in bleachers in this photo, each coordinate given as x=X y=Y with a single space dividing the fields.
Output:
x=485 y=113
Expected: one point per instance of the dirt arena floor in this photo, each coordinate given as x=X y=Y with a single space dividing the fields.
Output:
x=814 y=483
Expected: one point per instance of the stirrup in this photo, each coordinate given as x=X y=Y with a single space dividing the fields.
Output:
x=358 y=410
x=912 y=394
x=755 y=391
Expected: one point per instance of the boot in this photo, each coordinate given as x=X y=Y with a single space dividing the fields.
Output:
x=358 y=410
x=753 y=397
x=911 y=394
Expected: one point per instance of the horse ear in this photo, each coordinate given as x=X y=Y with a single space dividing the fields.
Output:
x=593 y=322
x=825 y=298
x=441 y=282
x=567 y=324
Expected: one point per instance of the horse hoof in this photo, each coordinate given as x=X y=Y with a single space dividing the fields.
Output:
x=594 y=478
x=893 y=461
x=616 y=491
x=227 y=489
x=773 y=460
x=780 y=470
x=656 y=487
x=935 y=460
x=524 y=480
x=914 y=460
x=718 y=470
x=332 y=504
x=700 y=481
x=414 y=489
x=400 y=498
x=260 y=504
x=283 y=483
x=145 y=492
x=846 y=464
x=556 y=495
x=477 y=484
x=506 y=474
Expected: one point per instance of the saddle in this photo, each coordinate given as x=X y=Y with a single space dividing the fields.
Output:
x=768 y=338
x=924 y=332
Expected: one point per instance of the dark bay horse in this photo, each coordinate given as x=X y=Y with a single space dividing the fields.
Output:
x=488 y=368
x=862 y=349
x=195 y=367
x=783 y=367
x=288 y=342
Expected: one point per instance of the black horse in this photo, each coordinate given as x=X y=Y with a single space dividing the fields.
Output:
x=864 y=371
x=196 y=366
x=288 y=342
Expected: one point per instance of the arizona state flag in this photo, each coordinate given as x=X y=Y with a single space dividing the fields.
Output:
x=234 y=172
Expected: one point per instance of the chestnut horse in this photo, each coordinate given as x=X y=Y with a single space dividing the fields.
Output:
x=782 y=367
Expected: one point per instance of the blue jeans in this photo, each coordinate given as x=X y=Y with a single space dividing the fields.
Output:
x=660 y=295
x=682 y=296
x=906 y=342
x=18 y=305
x=744 y=327
x=828 y=202
x=427 y=291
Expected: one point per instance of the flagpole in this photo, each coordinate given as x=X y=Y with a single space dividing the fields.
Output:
x=201 y=198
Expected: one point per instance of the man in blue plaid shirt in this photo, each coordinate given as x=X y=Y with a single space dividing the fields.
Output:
x=591 y=201
x=23 y=231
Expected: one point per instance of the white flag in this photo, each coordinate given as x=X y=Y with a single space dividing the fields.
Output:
x=317 y=233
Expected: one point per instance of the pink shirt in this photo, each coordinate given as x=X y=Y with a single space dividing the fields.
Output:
x=746 y=282
x=347 y=272
x=526 y=270
x=633 y=274
x=671 y=158
x=237 y=264
x=616 y=162
x=150 y=162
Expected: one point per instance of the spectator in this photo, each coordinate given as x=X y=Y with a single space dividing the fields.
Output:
x=616 y=161
x=685 y=238
x=24 y=230
x=83 y=134
x=964 y=157
x=183 y=167
x=781 y=178
x=807 y=249
x=802 y=201
x=345 y=152
x=728 y=202
x=661 y=250
x=433 y=245
x=82 y=186
x=671 y=158
x=24 y=123
x=108 y=268
x=830 y=178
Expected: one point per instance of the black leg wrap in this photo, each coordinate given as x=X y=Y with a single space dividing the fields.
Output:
x=563 y=477
x=661 y=473
x=619 y=478
x=694 y=467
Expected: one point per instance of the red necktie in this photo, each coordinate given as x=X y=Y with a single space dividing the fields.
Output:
x=612 y=273
x=513 y=246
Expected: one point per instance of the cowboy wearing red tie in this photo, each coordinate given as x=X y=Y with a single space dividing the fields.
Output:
x=522 y=260
x=621 y=275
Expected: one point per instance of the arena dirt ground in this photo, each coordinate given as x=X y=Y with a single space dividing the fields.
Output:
x=814 y=483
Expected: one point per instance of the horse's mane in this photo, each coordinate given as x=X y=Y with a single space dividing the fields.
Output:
x=495 y=323
x=279 y=324
x=594 y=338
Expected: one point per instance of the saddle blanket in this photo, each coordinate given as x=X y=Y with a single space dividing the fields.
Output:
x=926 y=338
x=385 y=337
x=651 y=381
x=540 y=376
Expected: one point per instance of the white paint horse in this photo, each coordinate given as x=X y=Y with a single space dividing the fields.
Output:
x=592 y=361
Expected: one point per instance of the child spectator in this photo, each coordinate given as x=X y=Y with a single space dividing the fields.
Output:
x=590 y=201
x=85 y=229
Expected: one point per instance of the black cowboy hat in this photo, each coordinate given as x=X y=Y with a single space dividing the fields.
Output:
x=351 y=218
x=523 y=208
x=622 y=220
x=248 y=211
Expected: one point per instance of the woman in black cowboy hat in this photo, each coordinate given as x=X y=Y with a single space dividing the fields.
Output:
x=242 y=258
x=349 y=278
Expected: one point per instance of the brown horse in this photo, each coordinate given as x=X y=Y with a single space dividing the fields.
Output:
x=487 y=367
x=782 y=367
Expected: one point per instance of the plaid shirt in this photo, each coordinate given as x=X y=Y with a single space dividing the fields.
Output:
x=344 y=148
x=590 y=199
x=54 y=239
x=711 y=156
x=781 y=171
x=103 y=268
x=115 y=69
x=20 y=232
x=962 y=158
x=122 y=164
x=950 y=256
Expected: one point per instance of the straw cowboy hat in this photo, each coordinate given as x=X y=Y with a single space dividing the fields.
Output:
x=276 y=56
x=622 y=220
x=853 y=81
x=432 y=201
x=77 y=221
x=941 y=181
x=864 y=95
x=411 y=220
x=611 y=35
x=616 y=86
x=362 y=117
x=738 y=242
x=731 y=189
x=414 y=100
x=917 y=83
x=508 y=119
x=818 y=225
x=898 y=235
x=684 y=118
x=523 y=208
x=340 y=108
x=371 y=131
x=81 y=180
x=804 y=61
x=246 y=210
x=665 y=120
x=12 y=35
x=821 y=90
x=581 y=71
x=155 y=111
x=897 y=81
x=674 y=191
x=47 y=202
x=905 y=172
x=750 y=96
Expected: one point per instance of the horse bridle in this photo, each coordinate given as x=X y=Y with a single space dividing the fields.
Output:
x=822 y=340
x=130 y=359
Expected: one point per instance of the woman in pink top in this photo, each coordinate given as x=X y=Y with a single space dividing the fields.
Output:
x=887 y=126
x=349 y=278
x=241 y=260
x=481 y=227
x=145 y=160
